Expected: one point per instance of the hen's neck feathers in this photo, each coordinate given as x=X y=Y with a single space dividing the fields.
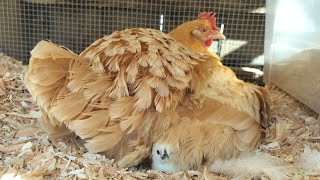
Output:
x=203 y=70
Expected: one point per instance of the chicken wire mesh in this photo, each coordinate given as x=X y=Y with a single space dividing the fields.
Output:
x=77 y=23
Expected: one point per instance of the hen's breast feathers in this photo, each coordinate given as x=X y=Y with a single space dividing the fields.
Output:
x=232 y=102
x=245 y=97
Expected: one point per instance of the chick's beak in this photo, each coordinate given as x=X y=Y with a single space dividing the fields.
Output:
x=216 y=35
x=165 y=155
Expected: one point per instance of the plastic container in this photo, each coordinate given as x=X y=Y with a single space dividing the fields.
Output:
x=292 y=49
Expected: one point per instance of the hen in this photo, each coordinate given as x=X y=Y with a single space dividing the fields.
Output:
x=120 y=94
x=139 y=87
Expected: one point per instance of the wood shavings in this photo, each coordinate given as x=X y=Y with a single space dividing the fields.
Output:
x=2 y=87
x=27 y=153
x=6 y=149
x=31 y=114
x=26 y=146
x=29 y=131
x=281 y=131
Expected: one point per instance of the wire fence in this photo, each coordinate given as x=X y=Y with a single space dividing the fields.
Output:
x=77 y=23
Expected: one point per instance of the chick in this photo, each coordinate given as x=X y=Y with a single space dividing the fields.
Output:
x=161 y=158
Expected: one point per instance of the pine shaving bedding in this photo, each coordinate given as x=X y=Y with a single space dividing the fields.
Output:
x=291 y=149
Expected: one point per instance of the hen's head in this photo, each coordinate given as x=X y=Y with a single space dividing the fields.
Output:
x=206 y=30
x=198 y=34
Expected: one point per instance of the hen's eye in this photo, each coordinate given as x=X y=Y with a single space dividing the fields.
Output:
x=202 y=29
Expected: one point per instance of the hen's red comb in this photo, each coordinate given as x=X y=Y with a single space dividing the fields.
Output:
x=210 y=17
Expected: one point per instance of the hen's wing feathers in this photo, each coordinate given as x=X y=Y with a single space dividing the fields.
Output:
x=143 y=74
x=129 y=72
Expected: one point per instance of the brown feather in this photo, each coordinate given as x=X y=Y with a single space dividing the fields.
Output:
x=86 y=127
x=121 y=107
x=103 y=142
x=68 y=106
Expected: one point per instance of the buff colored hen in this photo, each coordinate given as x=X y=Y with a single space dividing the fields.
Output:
x=140 y=87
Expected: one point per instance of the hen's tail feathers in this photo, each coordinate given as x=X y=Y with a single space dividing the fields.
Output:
x=47 y=72
x=55 y=131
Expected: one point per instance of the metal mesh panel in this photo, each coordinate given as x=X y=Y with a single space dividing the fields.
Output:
x=77 y=23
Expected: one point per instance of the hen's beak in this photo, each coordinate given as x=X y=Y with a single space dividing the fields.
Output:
x=217 y=36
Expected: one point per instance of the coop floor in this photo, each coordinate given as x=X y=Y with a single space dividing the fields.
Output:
x=27 y=153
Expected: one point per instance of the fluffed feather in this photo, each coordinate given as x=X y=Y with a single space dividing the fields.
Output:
x=254 y=165
x=309 y=160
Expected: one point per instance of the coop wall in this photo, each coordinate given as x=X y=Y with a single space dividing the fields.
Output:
x=292 y=49
x=76 y=24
